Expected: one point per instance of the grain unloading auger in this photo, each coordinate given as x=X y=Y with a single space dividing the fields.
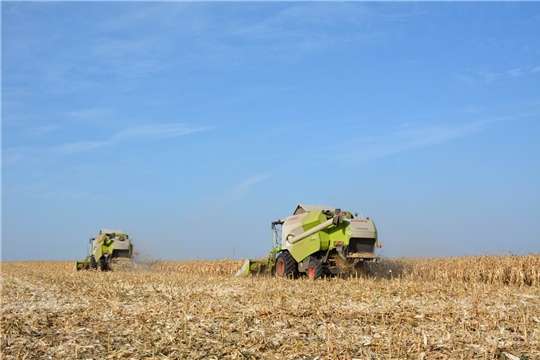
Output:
x=316 y=241
x=101 y=250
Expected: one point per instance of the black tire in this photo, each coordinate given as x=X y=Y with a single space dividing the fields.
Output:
x=286 y=266
x=315 y=268
x=93 y=264
x=103 y=264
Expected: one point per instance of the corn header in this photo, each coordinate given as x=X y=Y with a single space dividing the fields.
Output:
x=316 y=241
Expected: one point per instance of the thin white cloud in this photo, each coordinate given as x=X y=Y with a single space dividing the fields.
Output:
x=256 y=94
x=114 y=48
x=45 y=129
x=490 y=77
x=159 y=131
x=247 y=184
x=514 y=72
x=67 y=195
x=19 y=154
x=150 y=132
x=41 y=191
x=16 y=118
x=10 y=160
x=179 y=34
x=467 y=79
x=237 y=192
x=88 y=113
x=80 y=146
x=175 y=14
x=412 y=138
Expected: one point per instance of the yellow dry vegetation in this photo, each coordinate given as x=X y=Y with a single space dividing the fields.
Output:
x=484 y=307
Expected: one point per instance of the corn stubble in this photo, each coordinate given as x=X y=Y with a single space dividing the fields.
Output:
x=446 y=308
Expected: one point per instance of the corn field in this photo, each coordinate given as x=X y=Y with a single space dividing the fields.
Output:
x=485 y=307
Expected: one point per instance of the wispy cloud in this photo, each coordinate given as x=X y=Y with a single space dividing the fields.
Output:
x=41 y=190
x=256 y=94
x=113 y=48
x=67 y=195
x=149 y=132
x=491 y=77
x=514 y=72
x=45 y=129
x=13 y=159
x=88 y=113
x=142 y=133
x=295 y=22
x=410 y=138
x=19 y=154
x=10 y=117
x=235 y=193
x=159 y=131
x=138 y=41
x=467 y=79
x=76 y=147
x=248 y=183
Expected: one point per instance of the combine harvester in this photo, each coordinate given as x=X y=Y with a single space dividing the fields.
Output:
x=109 y=245
x=317 y=240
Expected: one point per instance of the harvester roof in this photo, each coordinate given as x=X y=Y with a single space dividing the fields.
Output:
x=110 y=231
x=303 y=208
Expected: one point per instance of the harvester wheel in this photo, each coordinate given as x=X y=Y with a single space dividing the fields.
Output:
x=315 y=269
x=286 y=265
x=103 y=265
x=93 y=264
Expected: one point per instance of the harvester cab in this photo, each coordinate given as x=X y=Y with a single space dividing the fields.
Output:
x=316 y=241
x=109 y=245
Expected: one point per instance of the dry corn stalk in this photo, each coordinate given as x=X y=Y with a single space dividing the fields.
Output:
x=450 y=308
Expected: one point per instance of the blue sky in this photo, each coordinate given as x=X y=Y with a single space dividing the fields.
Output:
x=192 y=126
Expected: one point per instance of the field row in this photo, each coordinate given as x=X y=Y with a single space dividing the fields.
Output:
x=504 y=270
